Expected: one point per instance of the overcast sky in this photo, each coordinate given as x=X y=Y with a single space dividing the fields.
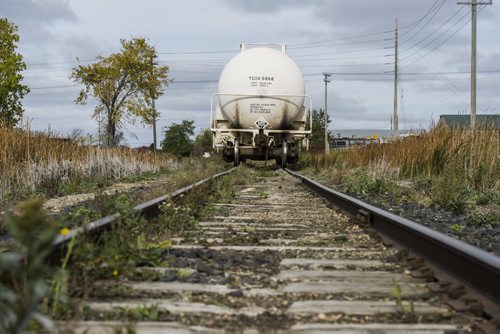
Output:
x=352 y=39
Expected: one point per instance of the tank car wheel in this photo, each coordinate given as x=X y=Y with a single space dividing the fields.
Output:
x=236 y=161
x=284 y=157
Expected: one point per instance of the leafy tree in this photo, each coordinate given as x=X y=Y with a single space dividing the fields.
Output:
x=123 y=84
x=76 y=135
x=177 y=138
x=317 y=139
x=119 y=139
x=11 y=66
x=203 y=142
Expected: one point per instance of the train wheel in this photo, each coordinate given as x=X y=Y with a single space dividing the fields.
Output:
x=236 y=161
x=284 y=156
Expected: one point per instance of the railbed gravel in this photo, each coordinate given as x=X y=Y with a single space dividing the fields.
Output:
x=228 y=258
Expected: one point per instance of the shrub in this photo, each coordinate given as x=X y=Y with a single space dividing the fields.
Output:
x=24 y=269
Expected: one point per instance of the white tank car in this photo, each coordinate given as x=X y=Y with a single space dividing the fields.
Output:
x=260 y=113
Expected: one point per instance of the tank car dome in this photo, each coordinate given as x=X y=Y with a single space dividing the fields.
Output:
x=261 y=70
x=261 y=81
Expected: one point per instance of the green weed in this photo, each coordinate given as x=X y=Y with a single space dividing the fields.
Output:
x=178 y=218
x=184 y=273
x=456 y=227
x=24 y=270
x=409 y=310
x=480 y=218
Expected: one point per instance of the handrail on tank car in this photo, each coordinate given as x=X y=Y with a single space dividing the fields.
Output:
x=243 y=46
x=261 y=96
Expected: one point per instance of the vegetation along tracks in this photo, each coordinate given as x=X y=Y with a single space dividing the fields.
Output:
x=269 y=254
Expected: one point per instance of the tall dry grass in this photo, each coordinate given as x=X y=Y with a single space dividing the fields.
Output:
x=469 y=158
x=30 y=160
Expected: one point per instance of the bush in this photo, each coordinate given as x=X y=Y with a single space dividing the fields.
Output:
x=24 y=269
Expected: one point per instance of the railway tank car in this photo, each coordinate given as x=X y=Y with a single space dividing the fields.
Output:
x=261 y=111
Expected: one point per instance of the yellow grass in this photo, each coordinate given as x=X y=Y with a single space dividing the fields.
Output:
x=32 y=160
x=470 y=157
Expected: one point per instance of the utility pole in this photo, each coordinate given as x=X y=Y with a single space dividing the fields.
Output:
x=326 y=80
x=99 y=131
x=473 y=76
x=395 y=115
x=154 y=124
x=154 y=109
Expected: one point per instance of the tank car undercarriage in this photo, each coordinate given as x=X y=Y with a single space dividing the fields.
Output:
x=261 y=142
x=283 y=146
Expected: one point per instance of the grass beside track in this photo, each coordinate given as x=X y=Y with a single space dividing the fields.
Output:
x=36 y=164
x=131 y=242
x=458 y=171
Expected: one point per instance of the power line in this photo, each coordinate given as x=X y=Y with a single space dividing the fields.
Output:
x=349 y=51
x=47 y=70
x=341 y=39
x=444 y=41
x=346 y=65
x=195 y=81
x=454 y=88
x=196 y=52
x=208 y=61
x=52 y=87
x=413 y=25
x=451 y=93
x=412 y=73
x=491 y=71
x=436 y=30
x=426 y=23
x=344 y=58
x=441 y=35
x=48 y=67
x=58 y=63
x=436 y=94
x=342 y=44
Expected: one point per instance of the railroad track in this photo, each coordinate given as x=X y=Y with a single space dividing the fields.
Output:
x=278 y=257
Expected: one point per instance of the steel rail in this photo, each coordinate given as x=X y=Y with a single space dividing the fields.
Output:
x=148 y=209
x=475 y=268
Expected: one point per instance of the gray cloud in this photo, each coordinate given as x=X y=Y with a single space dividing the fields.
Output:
x=41 y=11
x=53 y=33
x=35 y=17
x=267 y=7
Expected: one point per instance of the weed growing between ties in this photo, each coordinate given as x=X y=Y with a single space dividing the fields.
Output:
x=180 y=217
x=131 y=242
x=91 y=257
x=406 y=311
x=139 y=313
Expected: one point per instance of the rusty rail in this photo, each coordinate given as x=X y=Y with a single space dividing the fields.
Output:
x=475 y=268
